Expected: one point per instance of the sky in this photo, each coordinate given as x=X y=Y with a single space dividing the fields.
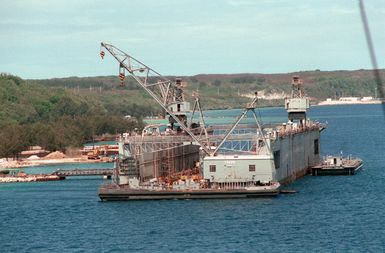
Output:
x=47 y=39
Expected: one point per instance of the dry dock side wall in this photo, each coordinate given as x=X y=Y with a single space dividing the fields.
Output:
x=162 y=162
x=296 y=153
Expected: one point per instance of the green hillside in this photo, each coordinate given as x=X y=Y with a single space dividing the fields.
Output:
x=64 y=112
x=227 y=90
x=55 y=118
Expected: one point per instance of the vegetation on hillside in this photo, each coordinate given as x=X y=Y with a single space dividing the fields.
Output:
x=228 y=91
x=56 y=118
x=65 y=112
x=218 y=91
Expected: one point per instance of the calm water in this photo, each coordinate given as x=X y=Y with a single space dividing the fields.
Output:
x=329 y=214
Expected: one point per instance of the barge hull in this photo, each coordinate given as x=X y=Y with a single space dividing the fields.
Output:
x=209 y=194
x=318 y=171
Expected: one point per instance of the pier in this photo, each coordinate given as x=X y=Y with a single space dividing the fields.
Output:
x=83 y=172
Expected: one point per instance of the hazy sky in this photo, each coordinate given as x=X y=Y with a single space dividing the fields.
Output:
x=46 y=38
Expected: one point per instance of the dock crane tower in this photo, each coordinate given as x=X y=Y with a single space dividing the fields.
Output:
x=298 y=103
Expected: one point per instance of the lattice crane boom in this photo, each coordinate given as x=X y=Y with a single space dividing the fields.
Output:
x=143 y=74
x=164 y=91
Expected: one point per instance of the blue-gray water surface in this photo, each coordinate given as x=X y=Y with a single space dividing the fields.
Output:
x=328 y=214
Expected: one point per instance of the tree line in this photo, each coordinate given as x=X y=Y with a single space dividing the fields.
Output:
x=55 y=118
x=60 y=134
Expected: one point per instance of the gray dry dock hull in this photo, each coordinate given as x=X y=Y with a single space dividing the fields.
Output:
x=130 y=194
x=298 y=154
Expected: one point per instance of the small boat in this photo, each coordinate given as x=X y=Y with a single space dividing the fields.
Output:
x=337 y=165
x=4 y=172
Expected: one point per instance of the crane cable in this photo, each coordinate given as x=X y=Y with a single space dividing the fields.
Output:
x=376 y=72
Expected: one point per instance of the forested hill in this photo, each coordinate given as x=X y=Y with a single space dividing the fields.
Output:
x=64 y=112
x=231 y=90
x=55 y=118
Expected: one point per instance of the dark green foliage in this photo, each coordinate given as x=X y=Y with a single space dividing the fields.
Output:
x=202 y=84
x=55 y=118
x=318 y=85
x=244 y=79
x=261 y=80
x=64 y=112
x=193 y=79
x=338 y=86
x=216 y=83
x=12 y=139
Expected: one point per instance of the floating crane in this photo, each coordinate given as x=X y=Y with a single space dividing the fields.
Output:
x=168 y=94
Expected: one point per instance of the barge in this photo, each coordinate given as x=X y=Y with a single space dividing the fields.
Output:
x=23 y=177
x=115 y=193
x=334 y=165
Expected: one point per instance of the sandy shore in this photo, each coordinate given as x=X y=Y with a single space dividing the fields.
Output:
x=337 y=102
x=27 y=163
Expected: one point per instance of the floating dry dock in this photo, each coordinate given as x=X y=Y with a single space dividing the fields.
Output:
x=238 y=161
x=186 y=159
x=334 y=165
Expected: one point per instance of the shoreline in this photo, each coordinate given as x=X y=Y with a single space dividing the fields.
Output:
x=325 y=103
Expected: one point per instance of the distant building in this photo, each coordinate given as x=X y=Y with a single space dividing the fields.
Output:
x=349 y=99
x=34 y=151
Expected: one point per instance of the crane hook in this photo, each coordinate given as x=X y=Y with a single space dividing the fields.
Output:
x=102 y=54
x=122 y=76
